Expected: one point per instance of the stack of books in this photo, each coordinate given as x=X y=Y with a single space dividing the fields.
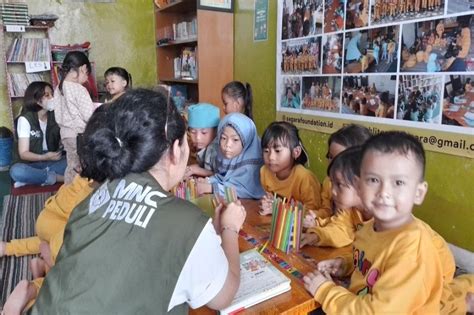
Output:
x=29 y=49
x=14 y=13
x=185 y=30
x=18 y=82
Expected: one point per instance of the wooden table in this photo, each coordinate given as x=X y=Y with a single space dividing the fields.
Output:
x=458 y=115
x=297 y=300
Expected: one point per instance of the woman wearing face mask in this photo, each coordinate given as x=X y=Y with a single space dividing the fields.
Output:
x=40 y=159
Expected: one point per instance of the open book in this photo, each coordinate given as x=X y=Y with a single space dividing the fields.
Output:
x=259 y=281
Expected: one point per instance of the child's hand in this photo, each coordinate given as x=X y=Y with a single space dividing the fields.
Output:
x=266 y=204
x=233 y=216
x=333 y=267
x=308 y=239
x=190 y=170
x=309 y=219
x=313 y=280
x=203 y=186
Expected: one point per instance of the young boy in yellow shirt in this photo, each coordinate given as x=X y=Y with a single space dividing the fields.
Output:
x=396 y=267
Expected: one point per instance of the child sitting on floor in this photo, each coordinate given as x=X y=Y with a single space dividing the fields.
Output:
x=339 y=230
x=238 y=160
x=344 y=138
x=395 y=252
x=284 y=173
x=203 y=120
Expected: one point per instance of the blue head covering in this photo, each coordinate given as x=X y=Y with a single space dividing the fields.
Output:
x=203 y=115
x=242 y=171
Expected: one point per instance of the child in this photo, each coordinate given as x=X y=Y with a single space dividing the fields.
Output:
x=384 y=49
x=284 y=173
x=339 y=230
x=237 y=98
x=395 y=251
x=346 y=137
x=117 y=80
x=73 y=106
x=49 y=228
x=238 y=160
x=203 y=120
x=376 y=52
x=391 y=50
x=397 y=266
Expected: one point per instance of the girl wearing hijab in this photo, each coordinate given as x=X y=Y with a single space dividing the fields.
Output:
x=238 y=160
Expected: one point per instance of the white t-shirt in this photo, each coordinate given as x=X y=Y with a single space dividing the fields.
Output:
x=24 y=128
x=202 y=276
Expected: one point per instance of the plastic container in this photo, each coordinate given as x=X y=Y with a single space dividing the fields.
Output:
x=6 y=143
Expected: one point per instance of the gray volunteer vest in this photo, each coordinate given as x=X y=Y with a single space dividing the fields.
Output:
x=124 y=248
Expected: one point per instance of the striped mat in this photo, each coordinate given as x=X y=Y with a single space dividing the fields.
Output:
x=18 y=221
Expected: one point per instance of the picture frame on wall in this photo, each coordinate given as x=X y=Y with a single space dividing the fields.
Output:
x=216 y=5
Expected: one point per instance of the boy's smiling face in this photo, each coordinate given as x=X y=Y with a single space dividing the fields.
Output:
x=390 y=184
x=201 y=137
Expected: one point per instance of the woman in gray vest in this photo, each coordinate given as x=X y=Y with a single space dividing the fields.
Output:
x=40 y=160
x=132 y=247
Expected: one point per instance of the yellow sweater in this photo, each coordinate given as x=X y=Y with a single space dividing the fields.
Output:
x=338 y=230
x=53 y=218
x=302 y=185
x=396 y=272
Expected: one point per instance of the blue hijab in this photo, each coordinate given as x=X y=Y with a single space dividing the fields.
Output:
x=242 y=171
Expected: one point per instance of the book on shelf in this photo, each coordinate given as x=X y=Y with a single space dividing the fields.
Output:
x=14 y=13
x=188 y=64
x=259 y=281
x=29 y=49
x=185 y=30
x=179 y=94
x=18 y=82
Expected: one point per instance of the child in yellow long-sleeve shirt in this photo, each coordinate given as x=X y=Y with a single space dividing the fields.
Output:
x=284 y=172
x=339 y=230
x=50 y=229
x=393 y=253
x=52 y=218
x=346 y=137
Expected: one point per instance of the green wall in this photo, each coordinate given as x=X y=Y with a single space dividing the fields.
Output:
x=121 y=34
x=449 y=205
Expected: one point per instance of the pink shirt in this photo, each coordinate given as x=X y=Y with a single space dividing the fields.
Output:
x=73 y=108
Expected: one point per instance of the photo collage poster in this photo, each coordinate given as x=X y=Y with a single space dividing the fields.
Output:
x=399 y=64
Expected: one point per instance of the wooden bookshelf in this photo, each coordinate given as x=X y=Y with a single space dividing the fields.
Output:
x=213 y=45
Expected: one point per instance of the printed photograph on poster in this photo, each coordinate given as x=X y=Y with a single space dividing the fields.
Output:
x=334 y=15
x=389 y=11
x=458 y=107
x=290 y=92
x=301 y=56
x=357 y=13
x=457 y=6
x=322 y=93
x=369 y=95
x=372 y=50
x=332 y=53
x=438 y=45
x=301 y=18
x=419 y=98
